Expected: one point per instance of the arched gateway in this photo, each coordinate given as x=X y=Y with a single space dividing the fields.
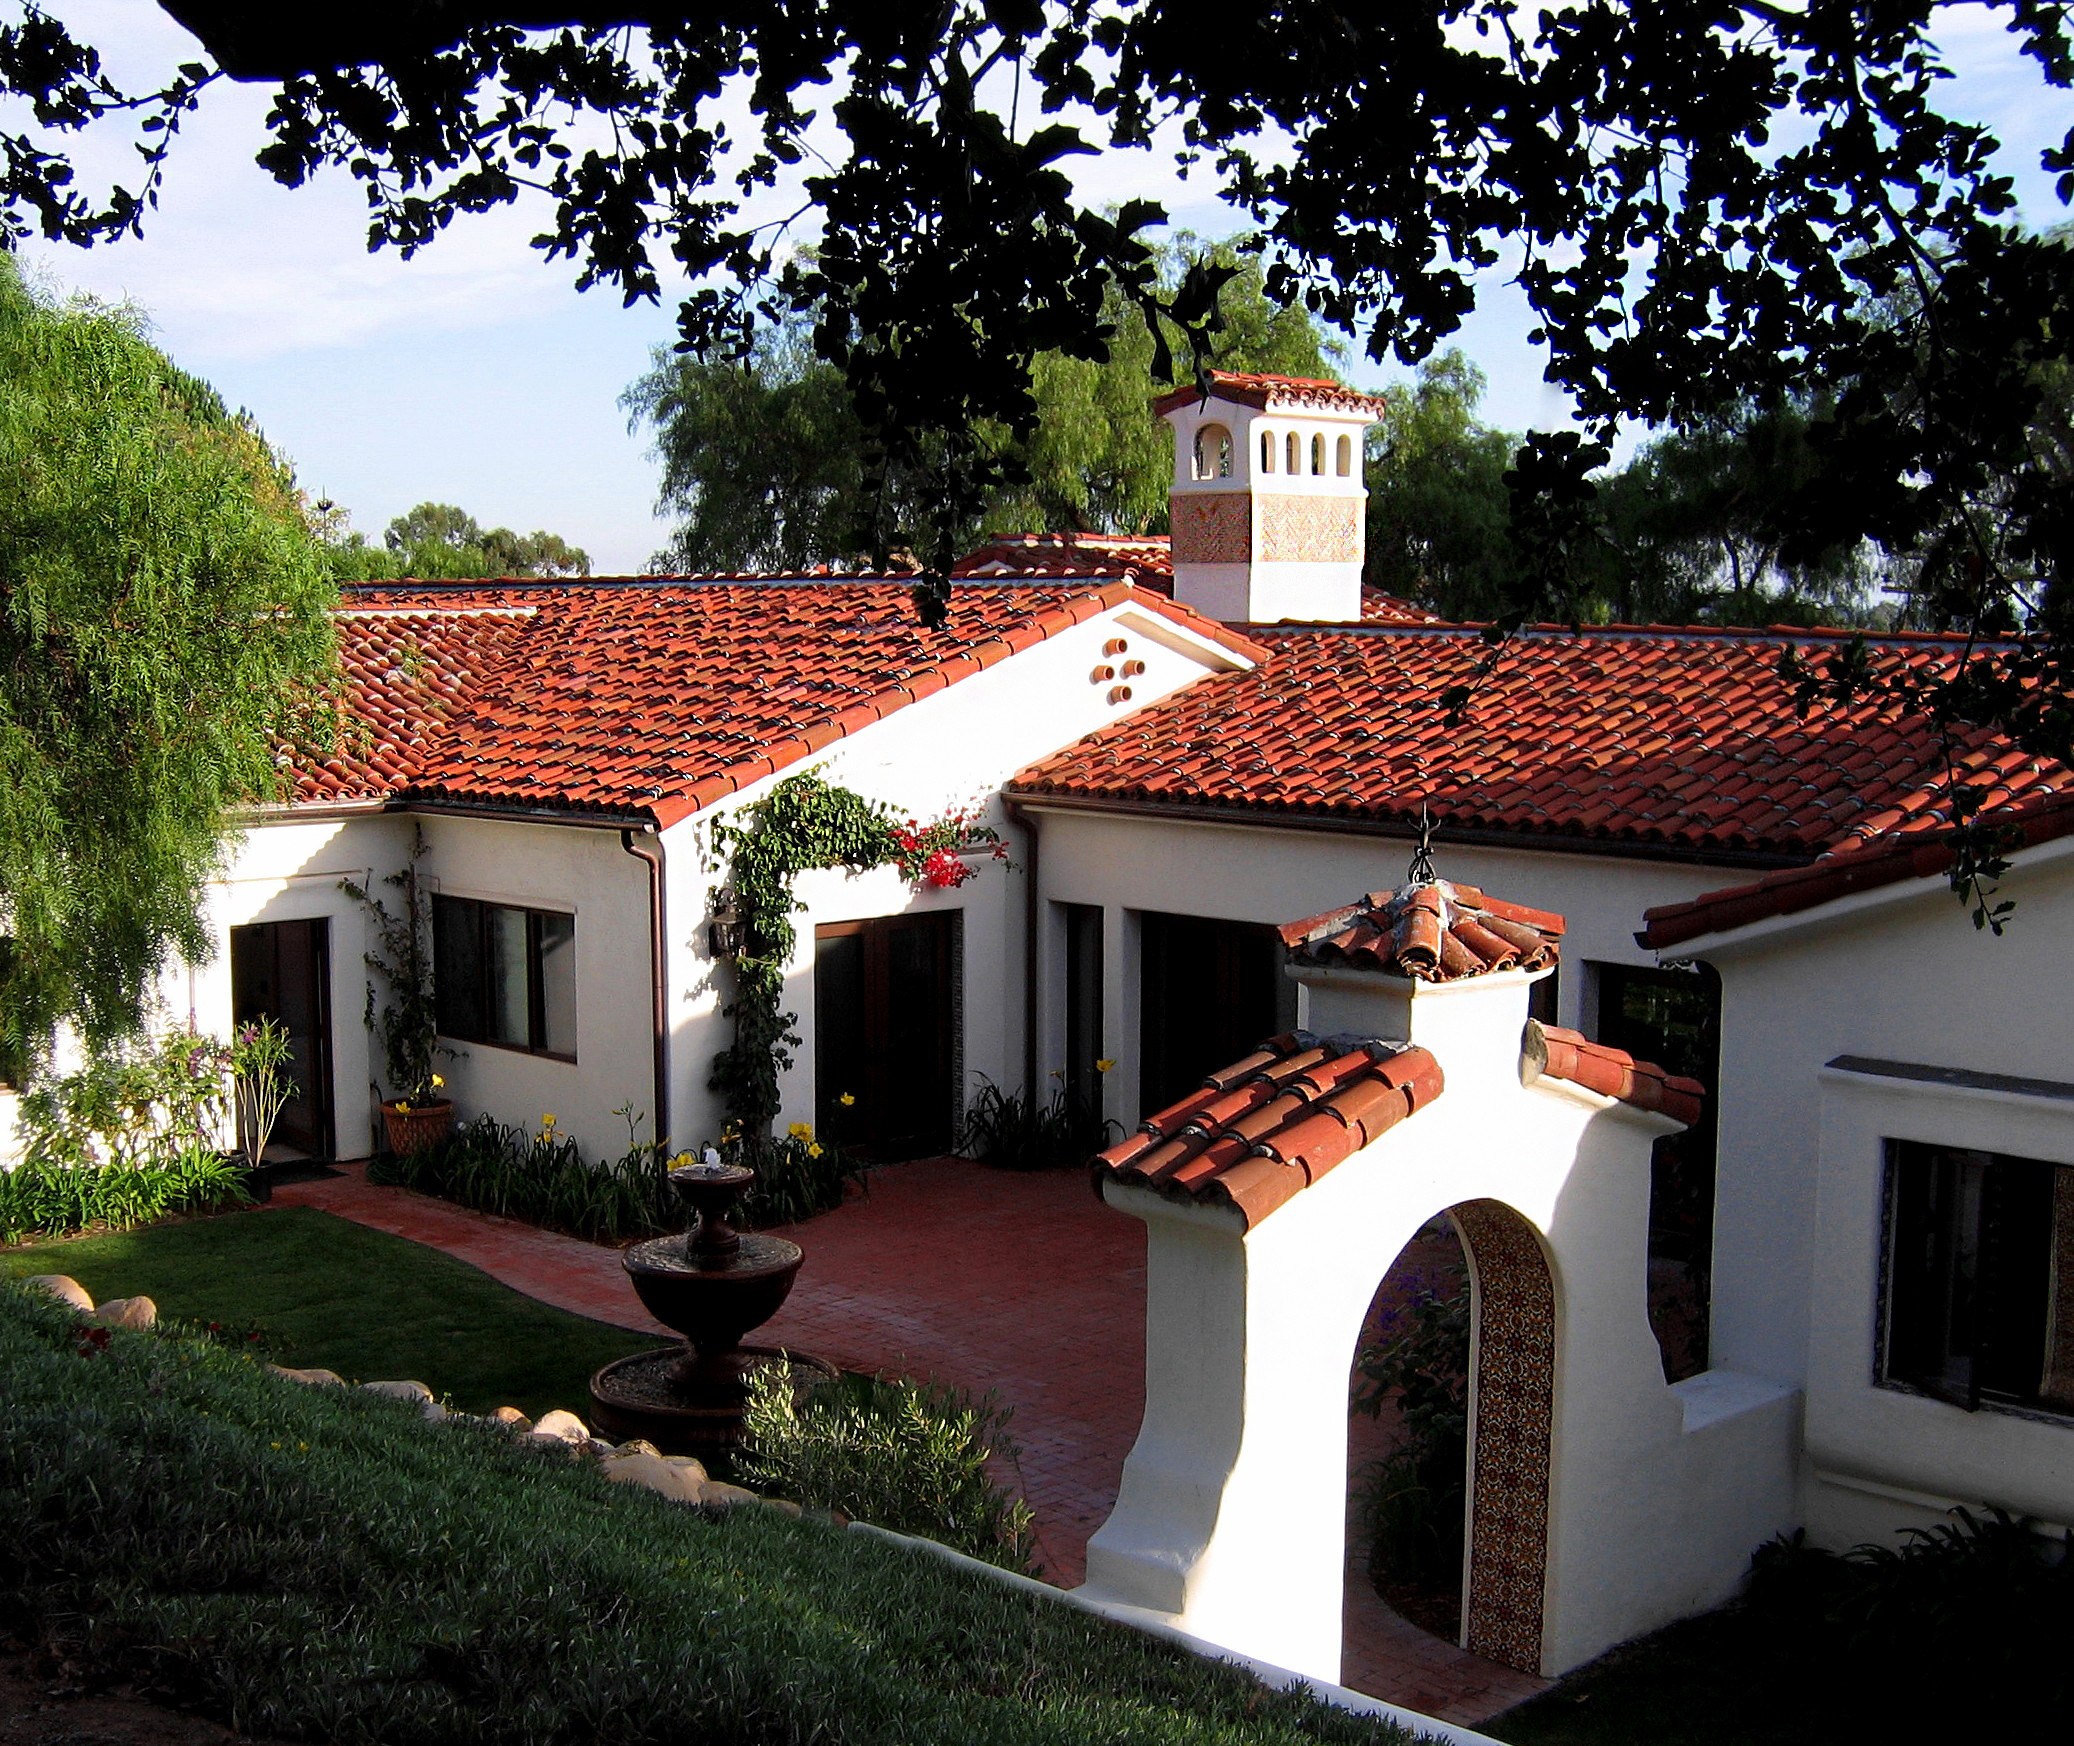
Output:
x=1601 y=1501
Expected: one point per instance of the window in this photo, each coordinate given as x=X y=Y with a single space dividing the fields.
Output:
x=1673 y=1018
x=1292 y=453
x=1979 y=1277
x=1343 y=457
x=1267 y=451
x=505 y=976
x=1212 y=452
x=1209 y=991
x=1317 y=453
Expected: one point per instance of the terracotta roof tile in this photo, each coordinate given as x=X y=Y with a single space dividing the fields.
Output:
x=1275 y=394
x=1861 y=867
x=1270 y=1125
x=652 y=696
x=1550 y=1052
x=1682 y=738
x=1436 y=932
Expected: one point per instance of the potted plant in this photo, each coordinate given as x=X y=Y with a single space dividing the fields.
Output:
x=417 y=1114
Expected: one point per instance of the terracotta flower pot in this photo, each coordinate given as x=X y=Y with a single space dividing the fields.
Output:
x=413 y=1129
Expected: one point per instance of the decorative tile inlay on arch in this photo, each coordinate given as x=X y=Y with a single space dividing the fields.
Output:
x=1514 y=1406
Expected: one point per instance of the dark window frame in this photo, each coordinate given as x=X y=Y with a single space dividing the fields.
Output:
x=446 y=910
x=1897 y=1323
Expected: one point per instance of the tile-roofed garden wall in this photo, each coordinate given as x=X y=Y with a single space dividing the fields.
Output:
x=1687 y=739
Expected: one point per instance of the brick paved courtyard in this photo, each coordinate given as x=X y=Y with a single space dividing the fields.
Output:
x=1024 y=1285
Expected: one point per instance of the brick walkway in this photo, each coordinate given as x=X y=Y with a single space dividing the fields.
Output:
x=1020 y=1284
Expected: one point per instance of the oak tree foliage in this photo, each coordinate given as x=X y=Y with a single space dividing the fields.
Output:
x=438 y=542
x=1708 y=205
x=165 y=630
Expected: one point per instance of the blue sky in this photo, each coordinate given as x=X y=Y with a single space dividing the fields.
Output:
x=476 y=375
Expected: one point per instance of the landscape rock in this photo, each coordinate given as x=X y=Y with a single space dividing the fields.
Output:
x=646 y=1467
x=717 y=1494
x=138 y=1314
x=399 y=1390
x=513 y=1417
x=690 y=1464
x=64 y=1288
x=315 y=1378
x=567 y=1426
x=785 y=1507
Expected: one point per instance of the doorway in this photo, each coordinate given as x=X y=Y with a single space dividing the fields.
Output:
x=886 y=1035
x=1210 y=991
x=282 y=971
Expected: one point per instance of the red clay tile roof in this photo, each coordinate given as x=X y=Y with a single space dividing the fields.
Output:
x=1274 y=394
x=1148 y=558
x=1269 y=1126
x=1864 y=868
x=1438 y=932
x=1661 y=738
x=1550 y=1052
x=651 y=697
x=409 y=674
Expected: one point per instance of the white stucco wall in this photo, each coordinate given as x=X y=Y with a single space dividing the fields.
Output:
x=950 y=750
x=290 y=871
x=1899 y=974
x=1128 y=865
x=1230 y=1518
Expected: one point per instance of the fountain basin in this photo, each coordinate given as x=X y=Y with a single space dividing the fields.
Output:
x=713 y=1303
x=644 y=1396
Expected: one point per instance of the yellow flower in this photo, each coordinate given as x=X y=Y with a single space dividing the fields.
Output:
x=437 y=1082
x=548 y=1120
x=277 y=1445
x=801 y=1130
x=1103 y=1065
x=813 y=1150
x=682 y=1159
x=846 y=1100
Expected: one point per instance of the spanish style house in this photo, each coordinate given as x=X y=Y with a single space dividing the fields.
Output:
x=1762 y=1154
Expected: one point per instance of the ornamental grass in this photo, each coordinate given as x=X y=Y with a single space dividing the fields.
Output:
x=321 y=1564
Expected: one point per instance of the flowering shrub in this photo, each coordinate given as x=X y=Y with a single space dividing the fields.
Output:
x=930 y=854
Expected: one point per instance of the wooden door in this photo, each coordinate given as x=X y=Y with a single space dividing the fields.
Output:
x=885 y=1035
x=282 y=971
x=1210 y=992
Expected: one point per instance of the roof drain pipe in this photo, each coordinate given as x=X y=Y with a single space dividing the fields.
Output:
x=1026 y=822
x=646 y=846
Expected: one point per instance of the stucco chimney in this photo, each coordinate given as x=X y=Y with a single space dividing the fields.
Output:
x=1438 y=965
x=1269 y=505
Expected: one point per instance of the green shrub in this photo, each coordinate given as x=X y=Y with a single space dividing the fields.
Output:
x=1409 y=1504
x=1011 y=1130
x=55 y=1199
x=541 y=1178
x=320 y=1564
x=896 y=1454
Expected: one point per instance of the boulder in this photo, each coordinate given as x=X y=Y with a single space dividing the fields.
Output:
x=315 y=1378
x=62 y=1287
x=567 y=1426
x=138 y=1314
x=717 y=1494
x=785 y=1507
x=416 y=1391
x=690 y=1464
x=646 y=1467
x=513 y=1417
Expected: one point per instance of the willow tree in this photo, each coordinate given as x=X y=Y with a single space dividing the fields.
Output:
x=163 y=632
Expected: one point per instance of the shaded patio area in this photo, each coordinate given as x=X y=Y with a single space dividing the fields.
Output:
x=1020 y=1284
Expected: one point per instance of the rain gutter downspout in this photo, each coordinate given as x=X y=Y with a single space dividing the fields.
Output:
x=646 y=846
x=1026 y=821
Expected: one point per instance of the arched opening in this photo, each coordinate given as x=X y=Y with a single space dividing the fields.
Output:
x=1453 y=1396
x=1267 y=451
x=1343 y=457
x=1292 y=453
x=1212 y=452
x=1317 y=453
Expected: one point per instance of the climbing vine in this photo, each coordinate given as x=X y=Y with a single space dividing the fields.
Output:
x=802 y=824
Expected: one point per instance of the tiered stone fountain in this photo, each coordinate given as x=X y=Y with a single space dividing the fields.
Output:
x=713 y=1285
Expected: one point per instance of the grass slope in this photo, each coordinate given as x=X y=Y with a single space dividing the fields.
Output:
x=342 y=1297
x=320 y=1564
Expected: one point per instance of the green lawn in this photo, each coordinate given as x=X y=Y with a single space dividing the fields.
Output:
x=340 y=1296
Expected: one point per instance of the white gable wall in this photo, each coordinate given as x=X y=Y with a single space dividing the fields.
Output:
x=1898 y=974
